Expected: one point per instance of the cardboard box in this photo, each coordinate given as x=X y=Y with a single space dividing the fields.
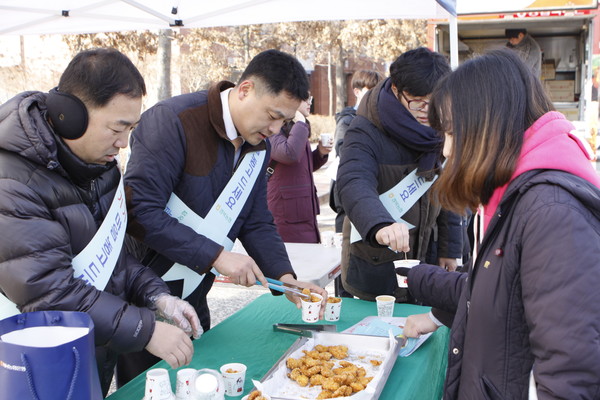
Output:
x=560 y=90
x=553 y=85
x=548 y=69
x=571 y=113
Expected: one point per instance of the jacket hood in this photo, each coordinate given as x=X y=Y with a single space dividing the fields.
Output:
x=382 y=108
x=548 y=145
x=346 y=112
x=24 y=129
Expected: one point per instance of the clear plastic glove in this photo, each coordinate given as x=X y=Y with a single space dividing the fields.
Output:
x=180 y=312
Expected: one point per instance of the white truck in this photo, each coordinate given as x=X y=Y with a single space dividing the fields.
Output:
x=565 y=36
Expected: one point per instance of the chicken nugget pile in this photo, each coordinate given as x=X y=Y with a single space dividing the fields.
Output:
x=256 y=395
x=317 y=368
x=313 y=298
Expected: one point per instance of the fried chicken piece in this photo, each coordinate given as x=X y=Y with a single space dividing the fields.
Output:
x=320 y=348
x=316 y=379
x=343 y=391
x=325 y=394
x=312 y=370
x=292 y=363
x=364 y=380
x=375 y=363
x=340 y=352
x=330 y=384
x=256 y=395
x=357 y=387
x=311 y=362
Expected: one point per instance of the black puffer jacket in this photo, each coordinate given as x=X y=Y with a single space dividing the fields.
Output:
x=383 y=145
x=530 y=302
x=51 y=205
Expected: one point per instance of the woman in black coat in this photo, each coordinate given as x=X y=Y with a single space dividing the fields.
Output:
x=524 y=319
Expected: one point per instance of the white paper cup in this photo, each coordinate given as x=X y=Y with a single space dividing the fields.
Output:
x=402 y=280
x=158 y=385
x=208 y=385
x=326 y=139
x=183 y=386
x=327 y=238
x=338 y=239
x=385 y=305
x=310 y=309
x=234 y=375
x=333 y=310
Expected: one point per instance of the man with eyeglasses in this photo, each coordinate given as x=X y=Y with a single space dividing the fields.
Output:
x=390 y=149
x=291 y=192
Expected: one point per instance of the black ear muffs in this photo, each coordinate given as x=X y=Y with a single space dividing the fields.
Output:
x=68 y=114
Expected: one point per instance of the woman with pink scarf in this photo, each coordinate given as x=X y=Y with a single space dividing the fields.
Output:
x=524 y=319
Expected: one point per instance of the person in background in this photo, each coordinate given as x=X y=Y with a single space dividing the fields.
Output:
x=524 y=319
x=291 y=192
x=203 y=156
x=362 y=81
x=526 y=47
x=58 y=179
x=389 y=138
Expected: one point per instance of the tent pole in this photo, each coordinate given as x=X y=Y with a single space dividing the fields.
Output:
x=453 y=42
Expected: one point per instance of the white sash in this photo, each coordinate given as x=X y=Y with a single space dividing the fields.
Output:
x=96 y=262
x=220 y=218
x=399 y=199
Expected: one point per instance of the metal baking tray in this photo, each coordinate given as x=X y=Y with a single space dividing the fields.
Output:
x=361 y=350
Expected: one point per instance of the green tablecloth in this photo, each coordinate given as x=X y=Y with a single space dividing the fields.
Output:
x=247 y=337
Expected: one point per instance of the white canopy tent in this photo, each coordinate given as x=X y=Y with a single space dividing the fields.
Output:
x=85 y=16
x=22 y=17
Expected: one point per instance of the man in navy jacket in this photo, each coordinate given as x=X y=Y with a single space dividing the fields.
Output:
x=191 y=146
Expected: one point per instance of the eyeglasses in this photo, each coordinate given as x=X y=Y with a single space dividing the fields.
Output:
x=415 y=105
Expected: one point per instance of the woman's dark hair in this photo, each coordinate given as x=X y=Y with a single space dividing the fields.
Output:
x=417 y=71
x=95 y=76
x=486 y=105
x=278 y=71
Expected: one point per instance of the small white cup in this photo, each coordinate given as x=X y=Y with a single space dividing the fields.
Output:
x=333 y=310
x=234 y=375
x=311 y=309
x=385 y=305
x=208 y=385
x=326 y=139
x=338 y=239
x=328 y=238
x=183 y=386
x=402 y=280
x=158 y=385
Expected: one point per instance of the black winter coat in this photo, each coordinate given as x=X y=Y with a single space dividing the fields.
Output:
x=530 y=302
x=46 y=219
x=380 y=149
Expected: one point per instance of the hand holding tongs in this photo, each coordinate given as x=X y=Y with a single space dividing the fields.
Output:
x=284 y=287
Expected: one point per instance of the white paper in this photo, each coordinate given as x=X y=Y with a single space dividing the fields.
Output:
x=381 y=326
x=44 y=336
x=360 y=352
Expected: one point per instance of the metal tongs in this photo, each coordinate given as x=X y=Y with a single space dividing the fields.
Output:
x=279 y=286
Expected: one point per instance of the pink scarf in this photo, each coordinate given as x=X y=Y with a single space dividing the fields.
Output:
x=548 y=144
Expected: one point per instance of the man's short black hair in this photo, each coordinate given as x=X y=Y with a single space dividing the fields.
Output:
x=514 y=33
x=417 y=71
x=95 y=76
x=279 y=72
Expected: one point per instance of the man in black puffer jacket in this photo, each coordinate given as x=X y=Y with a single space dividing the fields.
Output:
x=58 y=180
